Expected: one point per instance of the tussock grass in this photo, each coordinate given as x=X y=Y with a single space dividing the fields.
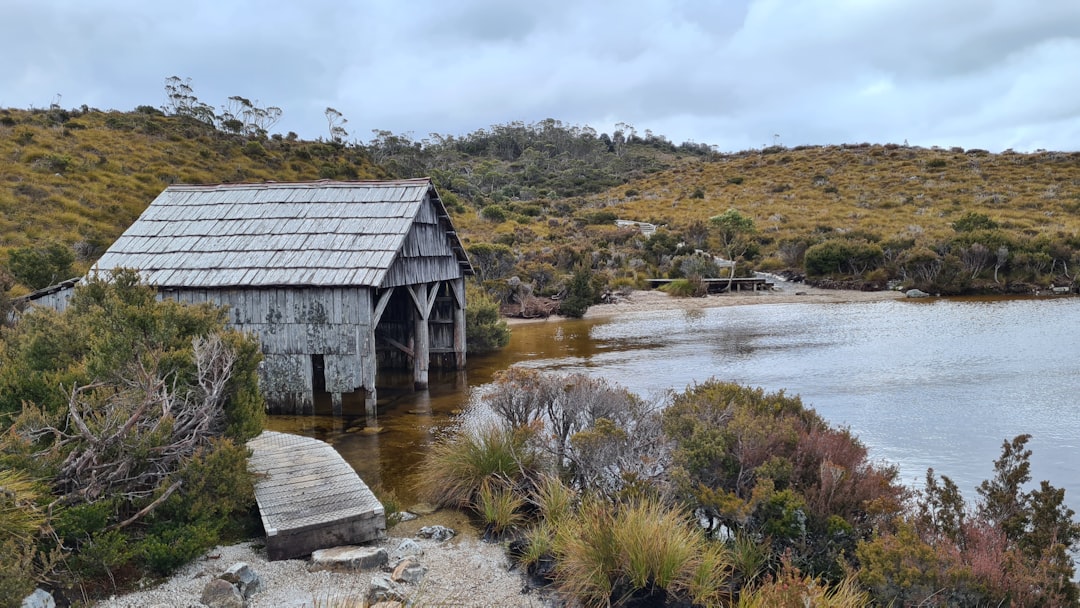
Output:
x=606 y=555
x=457 y=468
x=555 y=500
x=681 y=288
x=498 y=505
x=792 y=589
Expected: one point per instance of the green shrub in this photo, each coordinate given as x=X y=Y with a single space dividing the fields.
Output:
x=485 y=331
x=169 y=467
x=580 y=294
x=493 y=213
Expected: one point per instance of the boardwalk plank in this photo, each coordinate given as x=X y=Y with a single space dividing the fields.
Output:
x=309 y=497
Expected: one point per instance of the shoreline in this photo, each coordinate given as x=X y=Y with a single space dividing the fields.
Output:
x=641 y=301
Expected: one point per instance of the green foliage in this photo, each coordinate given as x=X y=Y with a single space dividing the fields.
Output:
x=491 y=261
x=485 y=331
x=493 y=213
x=580 y=294
x=842 y=256
x=757 y=463
x=155 y=401
x=972 y=221
x=38 y=267
x=1013 y=549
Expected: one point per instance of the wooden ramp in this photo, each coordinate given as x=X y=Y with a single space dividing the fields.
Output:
x=309 y=497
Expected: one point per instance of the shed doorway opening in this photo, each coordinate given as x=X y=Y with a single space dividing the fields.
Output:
x=318 y=374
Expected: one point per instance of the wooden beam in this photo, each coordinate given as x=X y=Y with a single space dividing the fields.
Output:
x=384 y=299
x=418 y=299
x=398 y=345
x=431 y=298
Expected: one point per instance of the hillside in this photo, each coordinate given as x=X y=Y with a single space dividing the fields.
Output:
x=78 y=178
x=537 y=201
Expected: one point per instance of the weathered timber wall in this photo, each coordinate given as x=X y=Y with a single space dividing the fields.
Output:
x=293 y=324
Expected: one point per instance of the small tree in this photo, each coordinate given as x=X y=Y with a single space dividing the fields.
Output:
x=734 y=231
x=484 y=330
x=579 y=294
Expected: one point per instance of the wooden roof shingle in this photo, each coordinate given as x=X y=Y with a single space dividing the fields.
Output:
x=271 y=234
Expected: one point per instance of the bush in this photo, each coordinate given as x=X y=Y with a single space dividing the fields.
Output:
x=760 y=464
x=38 y=267
x=641 y=550
x=493 y=213
x=580 y=295
x=140 y=470
x=484 y=330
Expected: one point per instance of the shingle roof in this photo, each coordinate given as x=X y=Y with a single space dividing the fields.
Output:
x=316 y=233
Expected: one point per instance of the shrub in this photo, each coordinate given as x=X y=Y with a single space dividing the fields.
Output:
x=139 y=469
x=485 y=331
x=790 y=588
x=580 y=294
x=493 y=213
x=756 y=463
x=38 y=267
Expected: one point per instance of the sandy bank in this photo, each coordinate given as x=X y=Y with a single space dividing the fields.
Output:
x=653 y=300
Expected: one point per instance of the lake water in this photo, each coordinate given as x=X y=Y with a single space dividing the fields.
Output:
x=927 y=383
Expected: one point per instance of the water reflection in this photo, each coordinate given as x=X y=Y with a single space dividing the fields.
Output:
x=933 y=383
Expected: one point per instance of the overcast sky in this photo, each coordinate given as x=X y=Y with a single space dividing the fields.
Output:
x=736 y=74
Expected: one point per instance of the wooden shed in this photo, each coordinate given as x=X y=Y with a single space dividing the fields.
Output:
x=335 y=278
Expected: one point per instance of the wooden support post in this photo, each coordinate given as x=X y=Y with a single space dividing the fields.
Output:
x=421 y=352
x=335 y=400
x=457 y=286
x=370 y=405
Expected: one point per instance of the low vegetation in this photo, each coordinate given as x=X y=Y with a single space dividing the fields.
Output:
x=123 y=451
x=732 y=496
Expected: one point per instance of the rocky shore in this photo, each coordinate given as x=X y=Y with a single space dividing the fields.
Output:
x=462 y=571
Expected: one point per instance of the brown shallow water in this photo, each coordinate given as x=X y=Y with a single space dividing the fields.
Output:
x=387 y=453
x=936 y=383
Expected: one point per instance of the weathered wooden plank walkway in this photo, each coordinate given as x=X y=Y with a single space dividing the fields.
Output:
x=720 y=285
x=309 y=497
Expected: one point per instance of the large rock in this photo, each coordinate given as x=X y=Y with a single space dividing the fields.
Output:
x=409 y=571
x=221 y=594
x=436 y=533
x=349 y=558
x=40 y=598
x=407 y=548
x=245 y=579
x=916 y=293
x=382 y=589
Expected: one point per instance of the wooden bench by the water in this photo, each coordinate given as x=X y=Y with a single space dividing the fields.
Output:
x=719 y=285
x=309 y=497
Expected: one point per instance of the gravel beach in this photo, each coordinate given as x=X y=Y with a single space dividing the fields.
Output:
x=461 y=572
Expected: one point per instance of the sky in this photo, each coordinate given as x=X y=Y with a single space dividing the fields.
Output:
x=734 y=74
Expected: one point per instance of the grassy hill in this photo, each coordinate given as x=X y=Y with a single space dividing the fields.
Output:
x=79 y=178
x=538 y=201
